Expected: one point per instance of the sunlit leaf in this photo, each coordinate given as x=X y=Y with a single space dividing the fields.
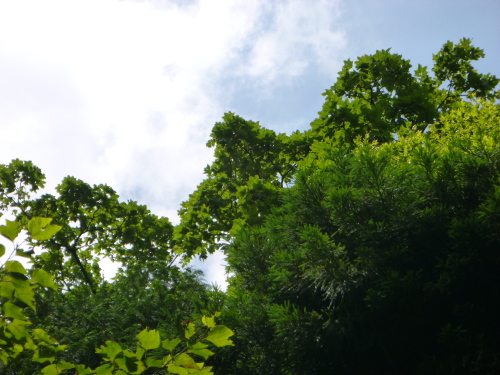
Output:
x=12 y=311
x=41 y=230
x=149 y=339
x=219 y=336
x=11 y=229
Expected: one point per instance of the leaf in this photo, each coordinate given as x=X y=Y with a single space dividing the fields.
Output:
x=219 y=336
x=149 y=339
x=11 y=229
x=40 y=229
x=175 y=369
x=43 y=278
x=82 y=370
x=205 y=353
x=15 y=266
x=25 y=295
x=6 y=289
x=40 y=334
x=2 y=250
x=209 y=321
x=106 y=369
x=17 y=328
x=185 y=360
x=189 y=331
x=50 y=370
x=151 y=362
x=111 y=349
x=12 y=311
x=25 y=254
x=170 y=344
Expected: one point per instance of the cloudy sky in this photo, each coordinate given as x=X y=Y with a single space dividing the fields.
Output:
x=126 y=92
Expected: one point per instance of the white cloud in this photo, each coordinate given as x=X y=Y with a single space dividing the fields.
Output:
x=126 y=93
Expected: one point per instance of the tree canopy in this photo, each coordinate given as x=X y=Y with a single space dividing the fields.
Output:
x=367 y=243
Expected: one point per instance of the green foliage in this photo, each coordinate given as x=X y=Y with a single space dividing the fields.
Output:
x=378 y=94
x=167 y=353
x=252 y=164
x=377 y=249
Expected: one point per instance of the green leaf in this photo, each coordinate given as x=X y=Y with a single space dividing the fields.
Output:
x=7 y=289
x=189 y=331
x=139 y=352
x=205 y=353
x=127 y=364
x=170 y=344
x=26 y=295
x=43 y=278
x=209 y=321
x=25 y=254
x=12 y=311
x=2 y=250
x=82 y=370
x=149 y=339
x=151 y=362
x=175 y=369
x=106 y=369
x=111 y=349
x=40 y=334
x=50 y=370
x=185 y=360
x=11 y=229
x=219 y=336
x=18 y=329
x=40 y=229
x=15 y=266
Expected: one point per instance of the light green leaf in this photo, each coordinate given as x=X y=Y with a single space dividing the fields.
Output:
x=11 y=229
x=149 y=339
x=219 y=336
x=82 y=370
x=175 y=369
x=209 y=321
x=15 y=266
x=40 y=229
x=6 y=289
x=111 y=349
x=205 y=353
x=25 y=295
x=106 y=369
x=24 y=254
x=40 y=334
x=18 y=329
x=170 y=344
x=139 y=352
x=50 y=370
x=44 y=279
x=185 y=360
x=2 y=250
x=189 y=331
x=151 y=362
x=12 y=311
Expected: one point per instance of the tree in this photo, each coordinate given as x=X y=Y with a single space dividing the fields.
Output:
x=385 y=246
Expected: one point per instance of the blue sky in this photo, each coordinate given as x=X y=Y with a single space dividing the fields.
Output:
x=126 y=92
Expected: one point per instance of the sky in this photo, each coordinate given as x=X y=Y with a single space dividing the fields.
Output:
x=126 y=92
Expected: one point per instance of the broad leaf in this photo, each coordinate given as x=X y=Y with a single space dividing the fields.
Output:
x=40 y=229
x=149 y=339
x=219 y=336
x=12 y=311
x=15 y=266
x=11 y=229
x=43 y=278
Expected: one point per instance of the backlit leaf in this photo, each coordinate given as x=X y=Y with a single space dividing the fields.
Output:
x=11 y=229
x=149 y=339
x=219 y=336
